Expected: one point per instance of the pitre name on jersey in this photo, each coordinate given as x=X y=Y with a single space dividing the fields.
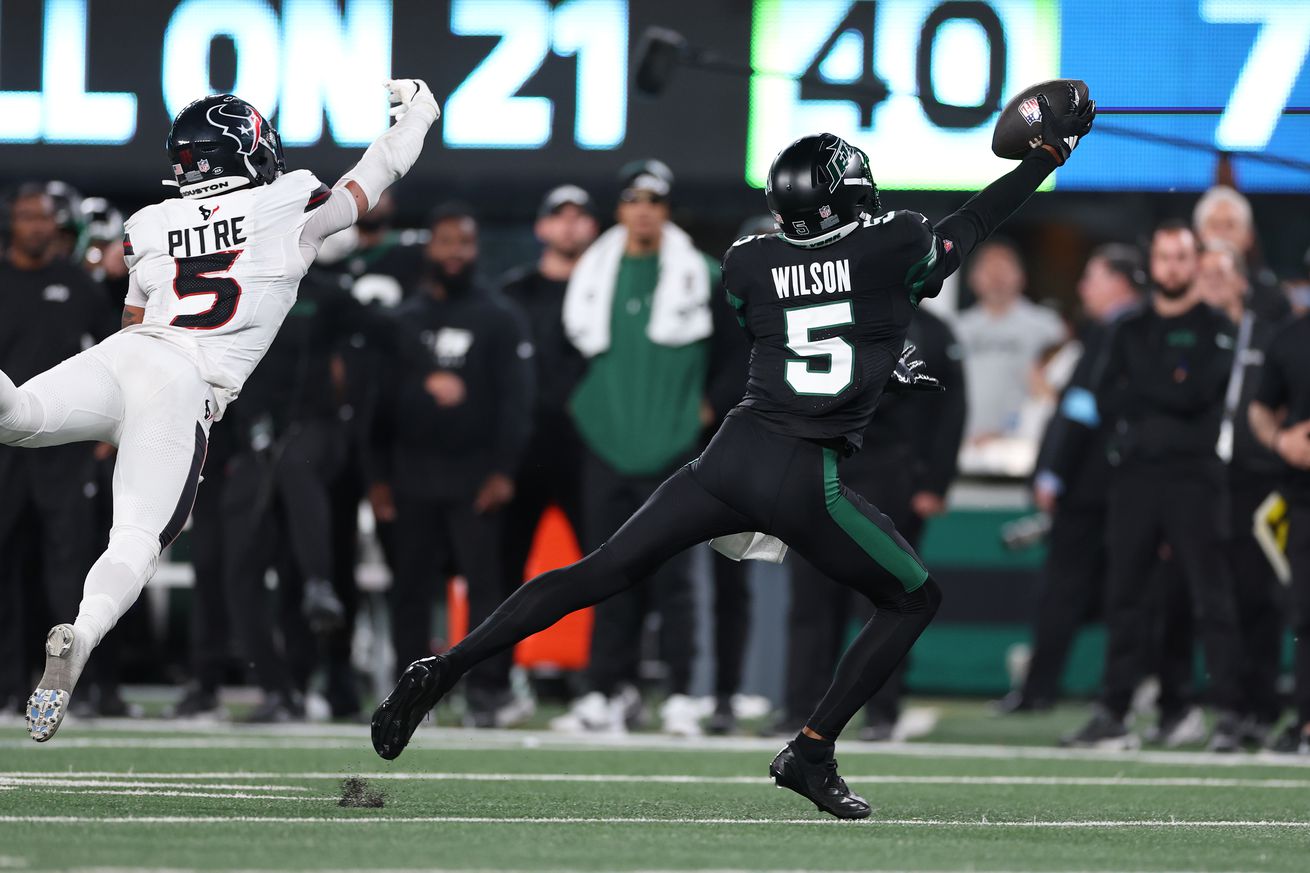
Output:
x=823 y=277
x=224 y=233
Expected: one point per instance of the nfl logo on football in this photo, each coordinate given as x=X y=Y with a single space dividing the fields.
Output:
x=1030 y=110
x=202 y=165
x=825 y=211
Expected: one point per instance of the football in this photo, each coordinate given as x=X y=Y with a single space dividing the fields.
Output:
x=1019 y=126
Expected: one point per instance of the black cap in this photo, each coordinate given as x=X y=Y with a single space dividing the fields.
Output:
x=651 y=176
x=565 y=195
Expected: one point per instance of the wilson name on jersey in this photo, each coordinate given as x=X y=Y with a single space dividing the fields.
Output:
x=828 y=324
x=219 y=275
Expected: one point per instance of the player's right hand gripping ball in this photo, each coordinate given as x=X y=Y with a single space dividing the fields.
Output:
x=1057 y=113
x=405 y=94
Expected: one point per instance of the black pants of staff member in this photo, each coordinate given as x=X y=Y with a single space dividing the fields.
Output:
x=346 y=492
x=1259 y=599
x=210 y=621
x=823 y=611
x=550 y=475
x=609 y=499
x=48 y=487
x=1184 y=508
x=275 y=513
x=1073 y=592
x=732 y=623
x=1298 y=555
x=435 y=539
x=1073 y=586
x=749 y=478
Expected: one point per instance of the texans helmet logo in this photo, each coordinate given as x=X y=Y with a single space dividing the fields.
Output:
x=239 y=121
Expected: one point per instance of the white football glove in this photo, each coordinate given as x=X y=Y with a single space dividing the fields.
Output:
x=405 y=94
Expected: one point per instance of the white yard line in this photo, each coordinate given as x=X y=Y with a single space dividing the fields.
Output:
x=10 y=781
x=197 y=794
x=1108 y=824
x=102 y=779
x=428 y=739
x=502 y=870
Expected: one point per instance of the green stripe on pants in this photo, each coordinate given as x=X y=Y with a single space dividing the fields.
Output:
x=875 y=541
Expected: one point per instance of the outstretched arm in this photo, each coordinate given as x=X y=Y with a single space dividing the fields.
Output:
x=977 y=219
x=388 y=159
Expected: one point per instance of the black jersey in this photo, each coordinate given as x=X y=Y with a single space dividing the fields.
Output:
x=829 y=323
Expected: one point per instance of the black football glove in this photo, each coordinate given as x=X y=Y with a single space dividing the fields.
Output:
x=1062 y=132
x=906 y=376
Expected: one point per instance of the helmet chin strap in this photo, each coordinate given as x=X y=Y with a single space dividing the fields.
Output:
x=824 y=239
x=212 y=187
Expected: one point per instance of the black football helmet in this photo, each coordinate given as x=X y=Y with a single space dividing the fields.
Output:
x=817 y=184
x=220 y=143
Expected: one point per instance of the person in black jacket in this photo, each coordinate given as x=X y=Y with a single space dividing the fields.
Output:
x=1072 y=480
x=905 y=469
x=52 y=311
x=447 y=444
x=1163 y=387
x=1253 y=474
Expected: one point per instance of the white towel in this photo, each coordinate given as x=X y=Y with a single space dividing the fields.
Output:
x=680 y=311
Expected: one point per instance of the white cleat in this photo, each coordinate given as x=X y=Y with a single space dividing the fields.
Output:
x=63 y=667
x=680 y=716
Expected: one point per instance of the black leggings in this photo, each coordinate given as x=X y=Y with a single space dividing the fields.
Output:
x=748 y=479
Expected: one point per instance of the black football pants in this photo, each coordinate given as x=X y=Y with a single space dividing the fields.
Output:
x=749 y=478
x=822 y=611
x=1186 y=509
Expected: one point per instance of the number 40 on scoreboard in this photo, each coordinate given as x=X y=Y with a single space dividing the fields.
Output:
x=920 y=80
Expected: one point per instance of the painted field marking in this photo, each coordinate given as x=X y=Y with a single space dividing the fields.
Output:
x=1110 y=824
x=124 y=792
x=503 y=870
x=104 y=779
x=131 y=780
x=430 y=740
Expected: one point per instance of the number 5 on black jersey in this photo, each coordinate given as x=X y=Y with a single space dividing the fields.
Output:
x=196 y=275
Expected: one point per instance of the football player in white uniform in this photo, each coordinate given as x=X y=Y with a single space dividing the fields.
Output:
x=213 y=274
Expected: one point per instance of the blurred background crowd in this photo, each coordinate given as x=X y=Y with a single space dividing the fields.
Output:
x=358 y=512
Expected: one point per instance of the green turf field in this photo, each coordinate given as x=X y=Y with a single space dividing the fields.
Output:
x=155 y=796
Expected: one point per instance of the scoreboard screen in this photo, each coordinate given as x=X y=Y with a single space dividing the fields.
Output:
x=541 y=89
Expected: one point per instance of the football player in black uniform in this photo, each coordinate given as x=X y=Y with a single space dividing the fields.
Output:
x=827 y=303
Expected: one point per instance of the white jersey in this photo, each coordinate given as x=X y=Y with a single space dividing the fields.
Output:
x=217 y=276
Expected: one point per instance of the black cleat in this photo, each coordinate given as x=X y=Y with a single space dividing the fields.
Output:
x=1102 y=731
x=423 y=683
x=1017 y=702
x=818 y=783
x=322 y=607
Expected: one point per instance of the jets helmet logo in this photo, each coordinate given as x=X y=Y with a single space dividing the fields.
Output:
x=239 y=121
x=838 y=161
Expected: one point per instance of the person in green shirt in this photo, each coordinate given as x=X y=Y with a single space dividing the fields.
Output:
x=643 y=307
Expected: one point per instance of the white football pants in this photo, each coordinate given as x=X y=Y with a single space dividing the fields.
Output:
x=147 y=398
